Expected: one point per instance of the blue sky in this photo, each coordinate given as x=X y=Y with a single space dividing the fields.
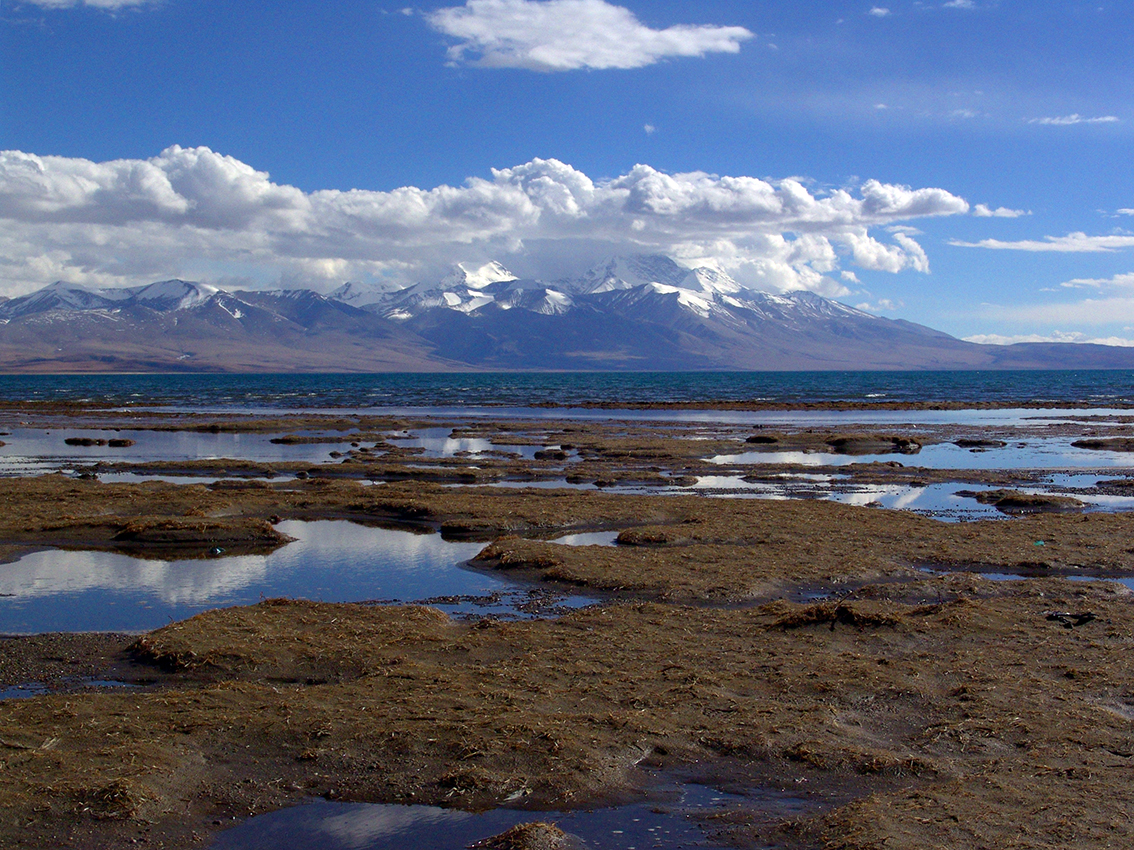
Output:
x=962 y=164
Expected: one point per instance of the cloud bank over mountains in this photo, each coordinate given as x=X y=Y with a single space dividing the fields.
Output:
x=196 y=212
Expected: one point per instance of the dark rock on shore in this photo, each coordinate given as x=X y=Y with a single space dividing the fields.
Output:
x=1111 y=444
x=114 y=443
x=528 y=836
x=763 y=439
x=1014 y=500
x=551 y=454
x=873 y=444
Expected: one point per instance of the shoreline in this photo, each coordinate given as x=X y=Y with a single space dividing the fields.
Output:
x=84 y=407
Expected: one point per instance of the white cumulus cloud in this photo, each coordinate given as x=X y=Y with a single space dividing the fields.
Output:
x=565 y=35
x=1072 y=243
x=879 y=11
x=985 y=211
x=1071 y=120
x=1111 y=304
x=195 y=212
x=883 y=305
x=1119 y=281
x=1055 y=336
x=1118 y=309
x=108 y=5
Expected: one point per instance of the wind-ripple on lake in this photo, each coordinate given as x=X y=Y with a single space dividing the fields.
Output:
x=330 y=561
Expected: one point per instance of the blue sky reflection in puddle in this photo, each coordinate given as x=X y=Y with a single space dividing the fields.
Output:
x=440 y=442
x=1047 y=453
x=588 y=538
x=32 y=450
x=936 y=500
x=354 y=826
x=337 y=561
x=1126 y=581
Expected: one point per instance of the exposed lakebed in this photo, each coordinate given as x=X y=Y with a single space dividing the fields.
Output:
x=960 y=450
x=911 y=689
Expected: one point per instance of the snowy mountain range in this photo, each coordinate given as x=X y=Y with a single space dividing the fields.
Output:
x=470 y=289
x=638 y=312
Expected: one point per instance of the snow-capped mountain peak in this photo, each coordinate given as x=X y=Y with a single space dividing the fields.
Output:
x=475 y=278
x=629 y=272
x=686 y=298
x=357 y=294
x=168 y=295
x=62 y=296
x=710 y=281
x=817 y=305
x=650 y=282
x=164 y=296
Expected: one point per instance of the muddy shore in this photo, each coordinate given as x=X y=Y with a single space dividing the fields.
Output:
x=858 y=656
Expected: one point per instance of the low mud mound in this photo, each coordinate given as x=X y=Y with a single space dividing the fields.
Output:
x=979 y=443
x=1011 y=501
x=529 y=836
x=859 y=615
x=873 y=444
x=860 y=443
x=189 y=536
x=286 y=640
x=1111 y=444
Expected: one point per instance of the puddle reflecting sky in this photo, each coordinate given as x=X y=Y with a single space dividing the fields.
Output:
x=329 y=561
x=205 y=480
x=937 y=500
x=31 y=450
x=439 y=442
x=554 y=484
x=356 y=826
x=588 y=538
x=1048 y=453
x=1127 y=582
x=941 y=501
